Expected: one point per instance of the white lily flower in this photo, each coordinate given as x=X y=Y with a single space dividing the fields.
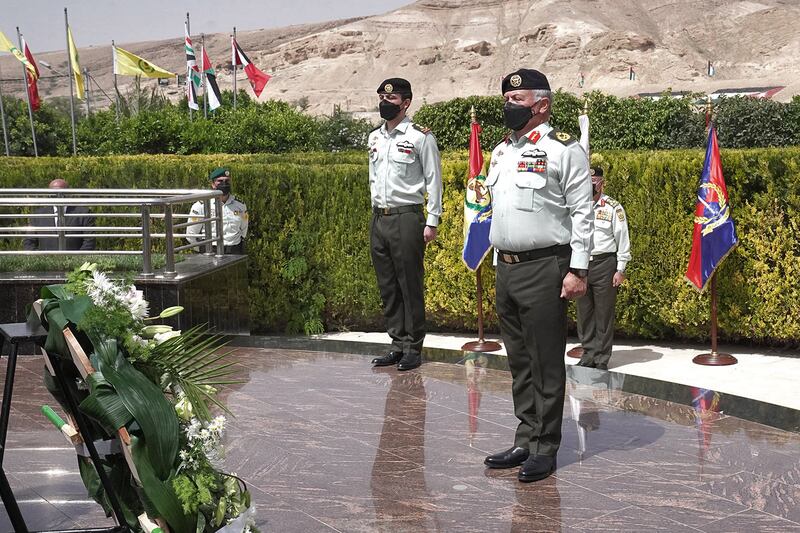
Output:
x=161 y=337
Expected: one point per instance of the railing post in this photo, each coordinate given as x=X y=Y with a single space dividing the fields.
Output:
x=218 y=221
x=61 y=222
x=169 y=269
x=147 y=266
x=209 y=247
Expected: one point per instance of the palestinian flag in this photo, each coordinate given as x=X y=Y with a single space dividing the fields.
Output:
x=33 y=89
x=192 y=72
x=258 y=79
x=212 y=89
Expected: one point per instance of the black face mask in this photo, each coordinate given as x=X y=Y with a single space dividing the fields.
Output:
x=388 y=110
x=516 y=116
x=224 y=188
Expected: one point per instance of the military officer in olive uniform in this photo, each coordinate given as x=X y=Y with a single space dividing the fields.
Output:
x=404 y=168
x=610 y=255
x=234 y=215
x=542 y=223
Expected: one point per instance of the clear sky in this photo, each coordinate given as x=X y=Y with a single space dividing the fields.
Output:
x=97 y=22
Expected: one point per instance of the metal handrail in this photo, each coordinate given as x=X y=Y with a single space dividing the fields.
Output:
x=143 y=204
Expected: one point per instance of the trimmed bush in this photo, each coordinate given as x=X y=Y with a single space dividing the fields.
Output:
x=309 y=256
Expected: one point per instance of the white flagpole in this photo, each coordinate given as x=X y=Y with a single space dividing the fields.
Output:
x=188 y=71
x=3 y=115
x=116 y=88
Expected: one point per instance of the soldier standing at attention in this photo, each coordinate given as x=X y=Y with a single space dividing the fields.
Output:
x=404 y=166
x=610 y=256
x=542 y=224
x=234 y=215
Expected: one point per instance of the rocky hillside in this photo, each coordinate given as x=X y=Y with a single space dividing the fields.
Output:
x=451 y=48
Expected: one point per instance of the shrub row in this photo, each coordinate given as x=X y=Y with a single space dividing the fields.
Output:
x=310 y=266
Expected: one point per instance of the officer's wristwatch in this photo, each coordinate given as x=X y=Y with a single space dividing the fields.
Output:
x=580 y=272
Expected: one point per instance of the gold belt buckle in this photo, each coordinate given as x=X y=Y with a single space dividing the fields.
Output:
x=509 y=258
x=386 y=210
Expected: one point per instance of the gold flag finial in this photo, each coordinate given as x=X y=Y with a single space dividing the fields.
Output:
x=472 y=115
x=586 y=106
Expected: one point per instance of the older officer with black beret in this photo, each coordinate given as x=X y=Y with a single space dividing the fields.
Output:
x=404 y=168
x=542 y=225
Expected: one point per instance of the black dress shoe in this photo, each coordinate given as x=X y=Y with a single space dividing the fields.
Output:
x=601 y=366
x=586 y=363
x=391 y=358
x=537 y=467
x=409 y=361
x=510 y=458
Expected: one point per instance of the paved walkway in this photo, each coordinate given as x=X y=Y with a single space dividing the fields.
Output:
x=761 y=374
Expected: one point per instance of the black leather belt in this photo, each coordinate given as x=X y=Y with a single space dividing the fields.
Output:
x=531 y=255
x=598 y=257
x=383 y=211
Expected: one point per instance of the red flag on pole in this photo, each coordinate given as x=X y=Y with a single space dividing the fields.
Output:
x=258 y=79
x=33 y=89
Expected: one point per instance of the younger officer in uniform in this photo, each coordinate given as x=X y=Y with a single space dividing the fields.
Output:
x=610 y=256
x=234 y=215
x=542 y=230
x=404 y=166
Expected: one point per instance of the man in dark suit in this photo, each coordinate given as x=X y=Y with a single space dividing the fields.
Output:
x=51 y=243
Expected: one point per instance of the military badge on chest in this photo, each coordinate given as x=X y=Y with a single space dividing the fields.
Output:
x=405 y=147
x=533 y=161
x=603 y=214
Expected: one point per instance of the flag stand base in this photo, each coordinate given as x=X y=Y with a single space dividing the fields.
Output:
x=576 y=353
x=715 y=359
x=481 y=346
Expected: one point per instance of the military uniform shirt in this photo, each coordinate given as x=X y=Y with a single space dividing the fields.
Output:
x=541 y=194
x=611 y=231
x=234 y=221
x=404 y=165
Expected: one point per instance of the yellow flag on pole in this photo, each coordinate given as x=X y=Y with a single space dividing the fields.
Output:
x=8 y=46
x=128 y=64
x=76 y=66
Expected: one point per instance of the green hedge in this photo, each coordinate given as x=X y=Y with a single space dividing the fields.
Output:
x=629 y=123
x=310 y=265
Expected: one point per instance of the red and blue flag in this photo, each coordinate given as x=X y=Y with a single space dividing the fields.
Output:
x=714 y=232
x=477 y=206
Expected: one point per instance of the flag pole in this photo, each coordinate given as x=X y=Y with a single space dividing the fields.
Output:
x=88 y=92
x=71 y=90
x=714 y=358
x=203 y=68
x=116 y=88
x=481 y=345
x=27 y=95
x=578 y=351
x=3 y=115
x=233 y=60
x=188 y=70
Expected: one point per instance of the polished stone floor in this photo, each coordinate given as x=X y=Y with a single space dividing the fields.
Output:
x=327 y=443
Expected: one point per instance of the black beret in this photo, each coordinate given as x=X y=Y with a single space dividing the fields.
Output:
x=395 y=85
x=596 y=172
x=525 y=78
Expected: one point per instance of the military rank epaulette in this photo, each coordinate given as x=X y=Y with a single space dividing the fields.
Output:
x=420 y=128
x=613 y=203
x=563 y=137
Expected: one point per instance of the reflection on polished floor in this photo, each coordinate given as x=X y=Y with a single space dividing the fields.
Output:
x=327 y=443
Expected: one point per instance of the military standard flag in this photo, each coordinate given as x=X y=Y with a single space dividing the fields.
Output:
x=8 y=46
x=192 y=72
x=258 y=79
x=76 y=66
x=212 y=89
x=714 y=232
x=477 y=206
x=128 y=64
x=33 y=88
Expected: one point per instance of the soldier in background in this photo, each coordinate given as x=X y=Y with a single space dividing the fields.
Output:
x=610 y=256
x=234 y=215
